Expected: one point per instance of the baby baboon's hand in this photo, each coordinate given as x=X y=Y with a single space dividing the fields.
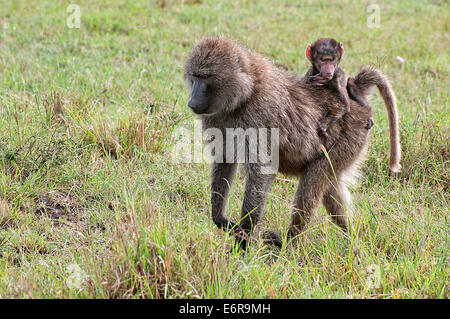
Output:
x=317 y=80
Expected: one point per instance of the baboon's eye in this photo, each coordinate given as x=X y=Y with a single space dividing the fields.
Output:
x=203 y=76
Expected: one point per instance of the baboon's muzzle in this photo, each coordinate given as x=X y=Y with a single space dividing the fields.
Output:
x=198 y=100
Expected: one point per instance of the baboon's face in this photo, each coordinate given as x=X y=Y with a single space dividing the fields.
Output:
x=202 y=92
x=215 y=77
x=325 y=55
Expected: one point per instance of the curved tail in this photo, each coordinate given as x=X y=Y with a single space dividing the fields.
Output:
x=365 y=79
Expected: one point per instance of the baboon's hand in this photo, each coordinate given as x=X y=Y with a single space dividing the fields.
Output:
x=241 y=236
x=317 y=80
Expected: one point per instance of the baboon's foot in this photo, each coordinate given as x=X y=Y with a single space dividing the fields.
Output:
x=273 y=238
x=369 y=124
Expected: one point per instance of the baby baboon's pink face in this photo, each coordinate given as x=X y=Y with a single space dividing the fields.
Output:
x=325 y=55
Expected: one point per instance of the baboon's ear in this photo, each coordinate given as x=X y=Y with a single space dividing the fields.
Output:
x=341 y=48
x=308 y=51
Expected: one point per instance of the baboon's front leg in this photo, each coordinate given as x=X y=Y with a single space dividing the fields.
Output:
x=221 y=181
x=257 y=189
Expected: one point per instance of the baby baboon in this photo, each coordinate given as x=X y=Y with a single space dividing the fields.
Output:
x=232 y=87
x=325 y=55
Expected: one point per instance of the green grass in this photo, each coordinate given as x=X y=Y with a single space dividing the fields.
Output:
x=88 y=187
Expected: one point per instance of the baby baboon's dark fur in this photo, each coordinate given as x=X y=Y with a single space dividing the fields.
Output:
x=233 y=87
x=325 y=55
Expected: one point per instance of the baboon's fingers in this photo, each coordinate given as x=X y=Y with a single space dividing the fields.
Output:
x=317 y=80
x=233 y=229
x=238 y=232
x=223 y=223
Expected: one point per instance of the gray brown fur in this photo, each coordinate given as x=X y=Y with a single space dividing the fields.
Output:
x=249 y=91
x=339 y=84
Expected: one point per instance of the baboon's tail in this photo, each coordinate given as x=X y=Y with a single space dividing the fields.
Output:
x=365 y=79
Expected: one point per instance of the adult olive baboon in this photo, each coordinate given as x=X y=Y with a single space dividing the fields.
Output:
x=232 y=87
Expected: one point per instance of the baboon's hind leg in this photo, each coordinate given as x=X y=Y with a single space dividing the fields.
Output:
x=336 y=200
x=318 y=184
x=315 y=180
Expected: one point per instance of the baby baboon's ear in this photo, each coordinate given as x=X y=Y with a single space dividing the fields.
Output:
x=341 y=48
x=308 y=51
